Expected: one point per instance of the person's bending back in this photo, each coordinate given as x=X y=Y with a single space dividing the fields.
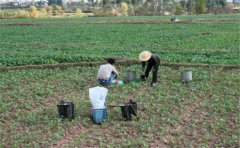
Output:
x=107 y=73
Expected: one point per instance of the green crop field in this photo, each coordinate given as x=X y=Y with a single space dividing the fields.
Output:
x=201 y=113
x=210 y=39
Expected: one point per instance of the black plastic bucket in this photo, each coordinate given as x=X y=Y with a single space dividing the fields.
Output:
x=125 y=111
x=66 y=109
x=129 y=110
x=133 y=108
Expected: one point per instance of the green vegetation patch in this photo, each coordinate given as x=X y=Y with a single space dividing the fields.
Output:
x=201 y=113
x=211 y=39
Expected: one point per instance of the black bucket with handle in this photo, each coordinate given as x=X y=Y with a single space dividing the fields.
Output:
x=66 y=109
x=129 y=109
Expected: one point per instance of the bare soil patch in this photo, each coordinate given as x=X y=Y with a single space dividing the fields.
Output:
x=120 y=62
x=110 y=22
x=18 y=24
x=206 y=33
x=186 y=21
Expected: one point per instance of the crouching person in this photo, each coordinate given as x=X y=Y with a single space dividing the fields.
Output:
x=107 y=73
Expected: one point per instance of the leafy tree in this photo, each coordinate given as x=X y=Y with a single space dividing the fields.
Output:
x=223 y=3
x=136 y=2
x=48 y=9
x=200 y=6
x=190 y=5
x=210 y=4
x=59 y=9
x=32 y=8
x=183 y=4
x=124 y=9
x=50 y=2
x=106 y=2
x=33 y=12
x=119 y=1
x=169 y=7
x=144 y=9
x=131 y=10
x=56 y=2
x=79 y=13
x=178 y=9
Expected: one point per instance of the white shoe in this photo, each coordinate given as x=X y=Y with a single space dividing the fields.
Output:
x=152 y=84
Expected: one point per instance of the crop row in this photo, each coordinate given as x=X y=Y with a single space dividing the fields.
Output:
x=208 y=42
x=207 y=109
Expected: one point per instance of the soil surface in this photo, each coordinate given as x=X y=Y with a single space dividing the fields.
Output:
x=120 y=62
x=121 y=22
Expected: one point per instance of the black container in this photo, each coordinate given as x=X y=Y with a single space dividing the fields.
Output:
x=129 y=110
x=143 y=77
x=133 y=108
x=125 y=111
x=66 y=109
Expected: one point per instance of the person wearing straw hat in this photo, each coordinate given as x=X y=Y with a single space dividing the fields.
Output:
x=153 y=62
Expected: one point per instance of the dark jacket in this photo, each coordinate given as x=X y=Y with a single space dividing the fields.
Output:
x=152 y=63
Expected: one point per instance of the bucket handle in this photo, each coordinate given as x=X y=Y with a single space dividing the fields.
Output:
x=133 y=109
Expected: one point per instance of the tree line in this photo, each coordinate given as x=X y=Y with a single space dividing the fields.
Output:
x=148 y=7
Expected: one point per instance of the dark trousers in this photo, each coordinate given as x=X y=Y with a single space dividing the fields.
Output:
x=155 y=71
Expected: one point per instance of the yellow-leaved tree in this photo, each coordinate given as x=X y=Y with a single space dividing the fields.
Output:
x=33 y=12
x=123 y=11
x=49 y=9
x=79 y=13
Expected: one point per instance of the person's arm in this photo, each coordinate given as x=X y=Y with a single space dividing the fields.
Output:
x=115 y=71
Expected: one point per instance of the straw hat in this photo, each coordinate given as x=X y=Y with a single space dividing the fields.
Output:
x=145 y=55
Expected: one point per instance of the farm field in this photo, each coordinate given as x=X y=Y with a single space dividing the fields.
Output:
x=210 y=39
x=202 y=113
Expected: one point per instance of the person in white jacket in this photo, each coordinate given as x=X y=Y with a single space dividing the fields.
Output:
x=107 y=73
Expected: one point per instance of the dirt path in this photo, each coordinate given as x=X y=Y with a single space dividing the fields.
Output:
x=124 y=22
x=120 y=62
